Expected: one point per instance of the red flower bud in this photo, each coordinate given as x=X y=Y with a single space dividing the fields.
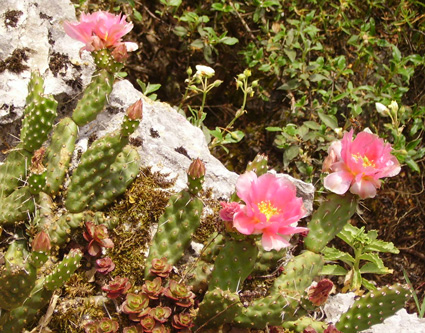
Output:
x=196 y=169
x=135 y=111
x=41 y=242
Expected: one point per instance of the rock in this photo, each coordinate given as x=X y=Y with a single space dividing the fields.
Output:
x=168 y=140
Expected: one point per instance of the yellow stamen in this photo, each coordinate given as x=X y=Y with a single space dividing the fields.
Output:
x=366 y=161
x=267 y=208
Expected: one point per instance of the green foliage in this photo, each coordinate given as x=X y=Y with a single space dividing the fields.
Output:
x=366 y=259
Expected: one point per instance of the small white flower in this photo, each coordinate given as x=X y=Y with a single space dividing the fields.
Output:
x=206 y=71
x=382 y=109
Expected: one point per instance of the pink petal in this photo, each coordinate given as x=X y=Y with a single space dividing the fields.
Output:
x=364 y=189
x=273 y=242
x=244 y=224
x=244 y=183
x=338 y=182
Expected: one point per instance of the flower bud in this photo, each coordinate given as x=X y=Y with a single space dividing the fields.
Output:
x=393 y=106
x=217 y=83
x=247 y=72
x=382 y=109
x=254 y=84
x=120 y=53
x=41 y=242
x=135 y=111
x=241 y=77
x=196 y=169
x=189 y=71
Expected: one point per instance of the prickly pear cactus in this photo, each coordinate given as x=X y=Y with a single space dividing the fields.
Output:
x=329 y=219
x=373 y=307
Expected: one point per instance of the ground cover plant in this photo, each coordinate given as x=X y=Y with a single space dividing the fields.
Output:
x=346 y=116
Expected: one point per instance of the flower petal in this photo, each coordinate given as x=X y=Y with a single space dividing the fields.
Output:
x=338 y=182
x=364 y=189
x=273 y=242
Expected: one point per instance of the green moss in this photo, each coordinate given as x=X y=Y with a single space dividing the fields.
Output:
x=143 y=203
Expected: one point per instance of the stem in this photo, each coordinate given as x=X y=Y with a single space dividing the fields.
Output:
x=204 y=97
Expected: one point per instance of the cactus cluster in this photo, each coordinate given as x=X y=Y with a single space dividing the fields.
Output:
x=32 y=190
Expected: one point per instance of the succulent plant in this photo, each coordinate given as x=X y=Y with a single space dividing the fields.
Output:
x=117 y=287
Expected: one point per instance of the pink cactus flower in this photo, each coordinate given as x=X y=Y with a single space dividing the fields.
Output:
x=100 y=30
x=357 y=165
x=271 y=209
x=228 y=210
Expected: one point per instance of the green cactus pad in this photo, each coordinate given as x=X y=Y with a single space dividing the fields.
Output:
x=63 y=270
x=14 y=170
x=218 y=307
x=116 y=179
x=93 y=170
x=212 y=247
x=285 y=294
x=35 y=88
x=18 y=318
x=38 y=122
x=175 y=228
x=304 y=323
x=128 y=126
x=17 y=207
x=329 y=220
x=36 y=182
x=372 y=308
x=58 y=154
x=103 y=59
x=94 y=97
x=17 y=276
x=258 y=165
x=234 y=263
x=267 y=260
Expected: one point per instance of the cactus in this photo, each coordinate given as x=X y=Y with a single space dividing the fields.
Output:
x=17 y=206
x=14 y=170
x=18 y=317
x=94 y=97
x=372 y=308
x=40 y=113
x=175 y=227
x=329 y=219
x=58 y=154
x=285 y=294
x=17 y=277
x=303 y=323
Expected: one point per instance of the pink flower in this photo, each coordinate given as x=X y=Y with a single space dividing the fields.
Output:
x=357 y=165
x=228 y=210
x=100 y=30
x=271 y=208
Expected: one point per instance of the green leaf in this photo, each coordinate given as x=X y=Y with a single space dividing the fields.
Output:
x=328 y=120
x=340 y=96
x=368 y=285
x=348 y=234
x=312 y=125
x=374 y=269
x=290 y=153
x=292 y=55
x=290 y=85
x=381 y=246
x=333 y=270
x=332 y=254
x=137 y=15
x=413 y=165
x=152 y=88
x=197 y=44
x=396 y=53
x=229 y=40
x=317 y=78
x=274 y=129
x=180 y=31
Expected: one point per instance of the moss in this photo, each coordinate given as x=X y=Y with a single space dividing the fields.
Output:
x=142 y=205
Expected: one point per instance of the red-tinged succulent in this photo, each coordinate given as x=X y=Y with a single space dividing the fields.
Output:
x=90 y=327
x=153 y=288
x=133 y=329
x=135 y=303
x=104 y=265
x=180 y=293
x=319 y=293
x=159 y=328
x=97 y=236
x=148 y=323
x=182 y=321
x=160 y=313
x=106 y=325
x=161 y=267
x=117 y=287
